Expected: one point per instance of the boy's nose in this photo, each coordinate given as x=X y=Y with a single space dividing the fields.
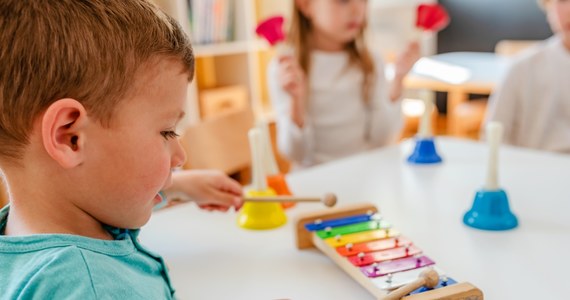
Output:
x=178 y=155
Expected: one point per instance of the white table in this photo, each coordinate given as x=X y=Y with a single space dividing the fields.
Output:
x=211 y=258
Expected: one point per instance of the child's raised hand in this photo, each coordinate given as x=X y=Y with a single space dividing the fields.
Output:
x=402 y=67
x=406 y=60
x=210 y=189
x=292 y=77
x=292 y=80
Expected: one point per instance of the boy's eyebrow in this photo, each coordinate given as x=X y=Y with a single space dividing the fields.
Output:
x=175 y=115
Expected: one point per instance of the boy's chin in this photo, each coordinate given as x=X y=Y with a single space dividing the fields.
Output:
x=136 y=223
x=142 y=221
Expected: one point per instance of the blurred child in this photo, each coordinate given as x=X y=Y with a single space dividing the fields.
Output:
x=90 y=95
x=533 y=101
x=331 y=98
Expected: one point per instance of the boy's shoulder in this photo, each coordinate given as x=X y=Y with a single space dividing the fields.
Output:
x=55 y=272
x=538 y=54
x=72 y=267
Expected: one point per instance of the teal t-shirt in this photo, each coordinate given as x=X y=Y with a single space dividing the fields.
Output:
x=61 y=266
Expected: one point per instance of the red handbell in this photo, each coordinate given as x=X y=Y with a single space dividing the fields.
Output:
x=272 y=30
x=432 y=17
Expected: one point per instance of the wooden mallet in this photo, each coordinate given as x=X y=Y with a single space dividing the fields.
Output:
x=428 y=278
x=327 y=199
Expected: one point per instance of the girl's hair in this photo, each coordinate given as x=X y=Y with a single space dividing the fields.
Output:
x=357 y=49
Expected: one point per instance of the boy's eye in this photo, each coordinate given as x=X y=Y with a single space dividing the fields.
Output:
x=169 y=134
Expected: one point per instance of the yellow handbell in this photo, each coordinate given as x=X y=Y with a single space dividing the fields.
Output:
x=261 y=215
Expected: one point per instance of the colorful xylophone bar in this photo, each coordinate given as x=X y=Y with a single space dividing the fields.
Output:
x=366 y=247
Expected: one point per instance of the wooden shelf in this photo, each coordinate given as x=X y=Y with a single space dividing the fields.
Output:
x=220 y=49
x=229 y=48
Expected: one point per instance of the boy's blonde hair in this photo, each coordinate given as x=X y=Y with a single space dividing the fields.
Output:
x=357 y=49
x=85 y=50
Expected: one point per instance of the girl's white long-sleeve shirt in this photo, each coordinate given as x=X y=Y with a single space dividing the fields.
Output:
x=338 y=123
x=533 y=100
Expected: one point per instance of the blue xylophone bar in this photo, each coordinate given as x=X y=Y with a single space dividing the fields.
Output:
x=339 y=222
x=443 y=282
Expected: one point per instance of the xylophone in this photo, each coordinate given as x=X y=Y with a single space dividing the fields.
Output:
x=374 y=254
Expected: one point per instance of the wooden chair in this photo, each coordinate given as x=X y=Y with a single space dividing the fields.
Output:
x=470 y=114
x=220 y=142
x=513 y=47
x=412 y=120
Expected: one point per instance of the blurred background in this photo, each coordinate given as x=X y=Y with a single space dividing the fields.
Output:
x=230 y=90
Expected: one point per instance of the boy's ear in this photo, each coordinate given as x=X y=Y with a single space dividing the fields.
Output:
x=62 y=132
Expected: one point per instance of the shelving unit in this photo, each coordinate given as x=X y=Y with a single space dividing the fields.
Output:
x=239 y=63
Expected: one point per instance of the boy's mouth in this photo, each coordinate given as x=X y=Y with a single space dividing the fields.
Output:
x=157 y=199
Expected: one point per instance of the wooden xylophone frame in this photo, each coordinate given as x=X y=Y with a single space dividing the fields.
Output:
x=307 y=240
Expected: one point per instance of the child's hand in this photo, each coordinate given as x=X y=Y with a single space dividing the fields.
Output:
x=210 y=189
x=406 y=60
x=292 y=80
x=403 y=65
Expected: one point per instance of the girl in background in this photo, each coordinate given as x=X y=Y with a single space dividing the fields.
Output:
x=331 y=98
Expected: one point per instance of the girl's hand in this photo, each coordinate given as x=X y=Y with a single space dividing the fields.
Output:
x=406 y=60
x=293 y=80
x=403 y=65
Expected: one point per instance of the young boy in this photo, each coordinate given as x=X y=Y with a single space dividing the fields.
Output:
x=533 y=101
x=90 y=95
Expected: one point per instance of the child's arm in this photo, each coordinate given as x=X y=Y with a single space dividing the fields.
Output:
x=288 y=101
x=402 y=67
x=292 y=80
x=209 y=189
